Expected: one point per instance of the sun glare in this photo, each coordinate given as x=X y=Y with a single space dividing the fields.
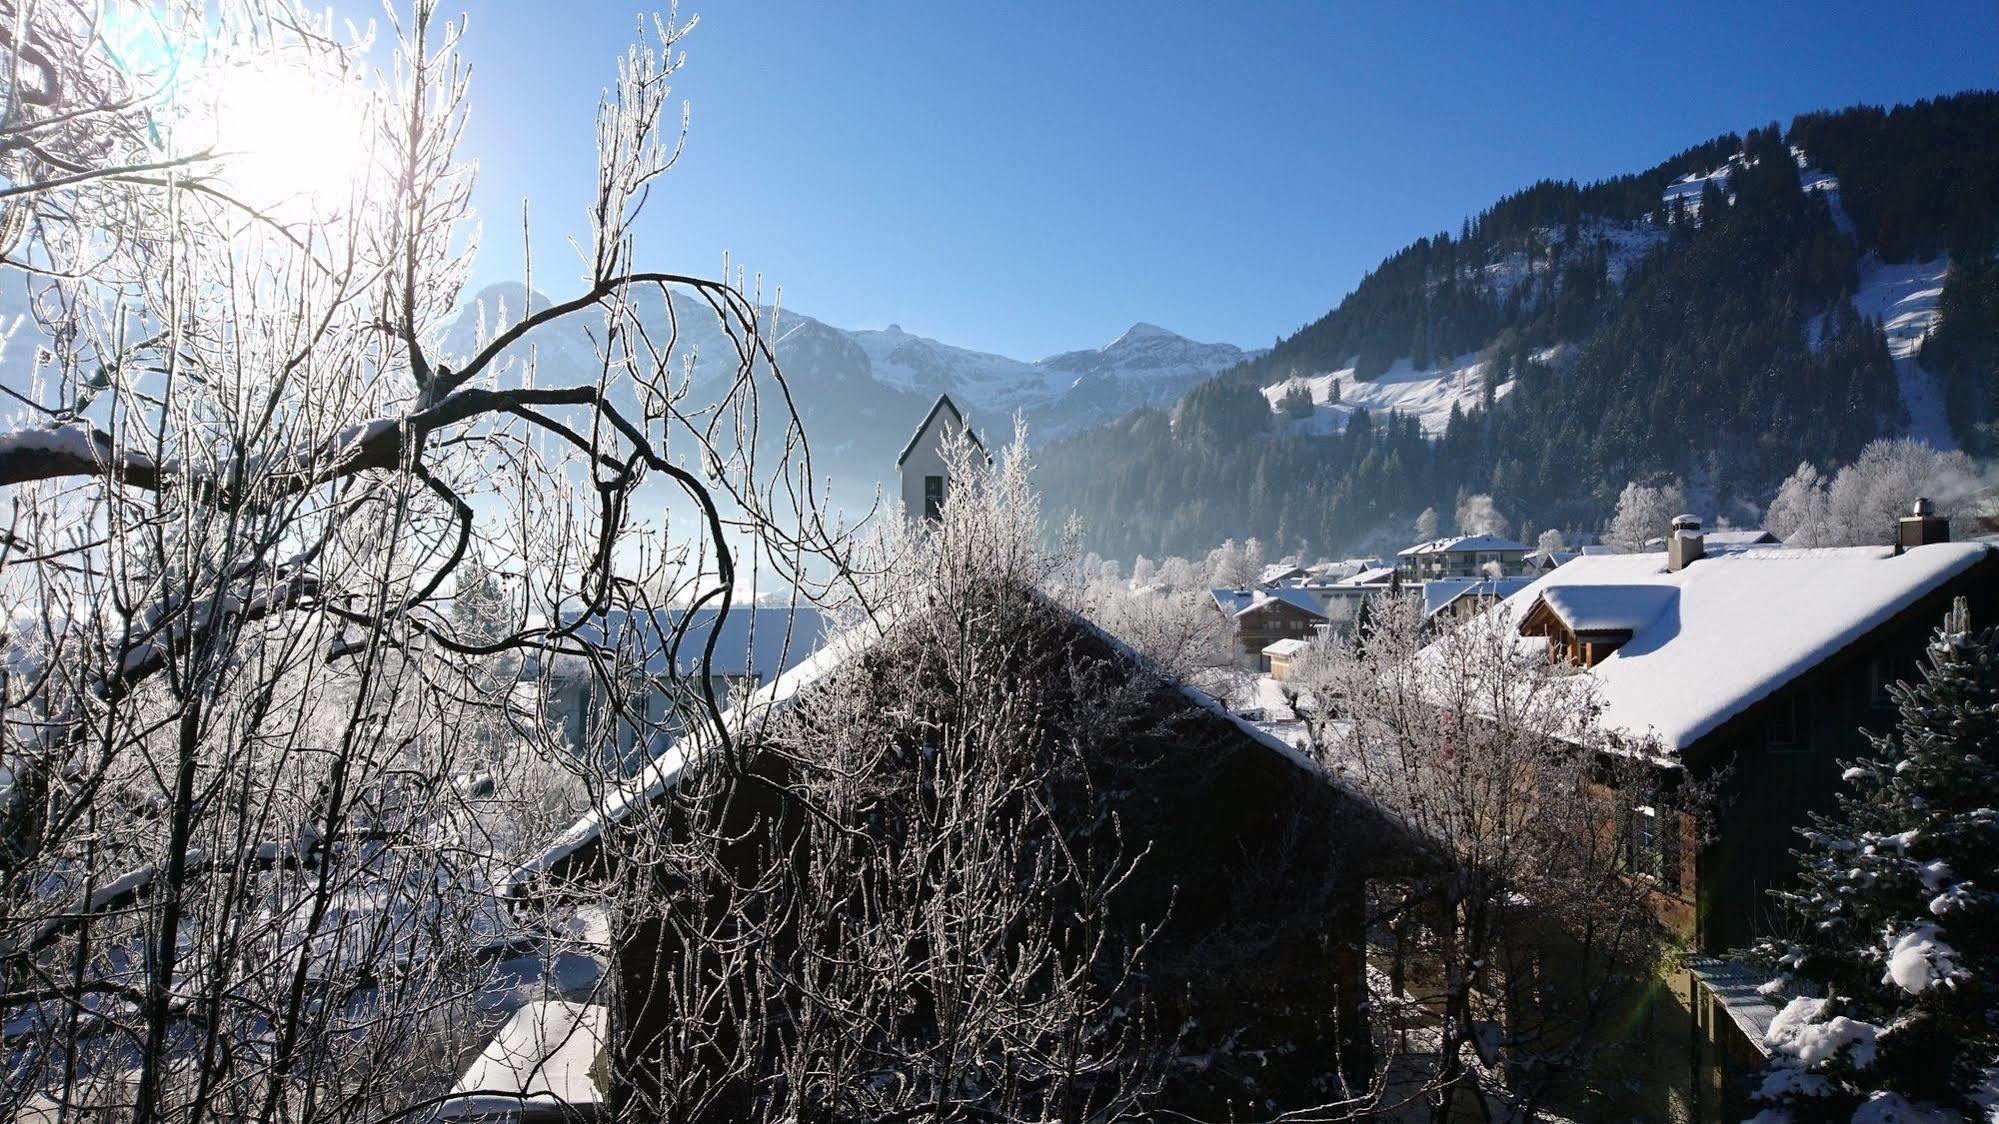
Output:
x=290 y=139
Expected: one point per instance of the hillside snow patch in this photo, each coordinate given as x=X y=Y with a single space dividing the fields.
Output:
x=1426 y=394
x=1904 y=299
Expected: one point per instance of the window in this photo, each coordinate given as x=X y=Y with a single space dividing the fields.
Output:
x=1880 y=676
x=1652 y=845
x=1782 y=730
x=1641 y=841
x=933 y=497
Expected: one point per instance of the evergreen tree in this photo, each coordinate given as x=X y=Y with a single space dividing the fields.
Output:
x=1894 y=963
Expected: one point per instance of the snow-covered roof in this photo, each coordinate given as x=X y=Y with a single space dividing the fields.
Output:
x=1462 y=544
x=1736 y=539
x=544 y=1060
x=1441 y=593
x=1286 y=648
x=1720 y=635
x=1238 y=602
x=1599 y=549
x=1607 y=608
x=1380 y=575
x=1553 y=557
x=1278 y=571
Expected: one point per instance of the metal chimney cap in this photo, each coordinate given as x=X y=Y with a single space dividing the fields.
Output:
x=1686 y=522
x=1923 y=507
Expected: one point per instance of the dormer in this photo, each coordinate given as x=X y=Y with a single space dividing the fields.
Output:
x=1584 y=624
x=926 y=478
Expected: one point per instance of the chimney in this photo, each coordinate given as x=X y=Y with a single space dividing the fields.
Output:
x=1921 y=527
x=1685 y=546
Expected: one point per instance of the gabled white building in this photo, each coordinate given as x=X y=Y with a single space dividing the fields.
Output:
x=925 y=478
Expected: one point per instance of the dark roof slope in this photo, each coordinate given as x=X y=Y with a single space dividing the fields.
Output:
x=943 y=403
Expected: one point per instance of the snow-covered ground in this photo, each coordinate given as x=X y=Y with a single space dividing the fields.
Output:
x=1426 y=394
x=1904 y=299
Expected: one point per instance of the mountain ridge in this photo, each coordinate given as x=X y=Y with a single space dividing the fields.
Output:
x=1761 y=299
x=860 y=391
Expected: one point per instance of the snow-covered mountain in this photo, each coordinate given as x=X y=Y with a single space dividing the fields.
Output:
x=1901 y=298
x=861 y=392
x=1147 y=365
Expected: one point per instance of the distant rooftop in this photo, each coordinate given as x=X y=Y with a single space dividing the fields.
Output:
x=1462 y=544
x=1441 y=593
x=1236 y=602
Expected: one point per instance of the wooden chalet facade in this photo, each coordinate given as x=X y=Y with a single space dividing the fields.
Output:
x=1262 y=617
x=1763 y=670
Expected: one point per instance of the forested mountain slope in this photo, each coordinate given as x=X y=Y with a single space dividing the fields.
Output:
x=1753 y=302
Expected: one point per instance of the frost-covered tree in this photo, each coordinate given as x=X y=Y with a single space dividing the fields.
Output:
x=1867 y=497
x=1478 y=515
x=1496 y=759
x=1644 y=512
x=1427 y=528
x=1551 y=540
x=1183 y=573
x=1142 y=572
x=1860 y=504
x=1178 y=630
x=1235 y=565
x=1891 y=965
x=1797 y=513
x=256 y=768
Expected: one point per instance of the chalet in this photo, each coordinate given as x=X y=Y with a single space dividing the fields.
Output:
x=1211 y=799
x=925 y=477
x=1264 y=616
x=1762 y=666
x=1465 y=556
x=1373 y=577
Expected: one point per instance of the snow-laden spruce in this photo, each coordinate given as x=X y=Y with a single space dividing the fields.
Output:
x=1892 y=954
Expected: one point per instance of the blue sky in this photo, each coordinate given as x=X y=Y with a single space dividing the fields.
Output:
x=1032 y=178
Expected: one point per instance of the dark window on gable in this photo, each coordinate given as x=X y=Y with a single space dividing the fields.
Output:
x=1781 y=732
x=933 y=497
x=1882 y=673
